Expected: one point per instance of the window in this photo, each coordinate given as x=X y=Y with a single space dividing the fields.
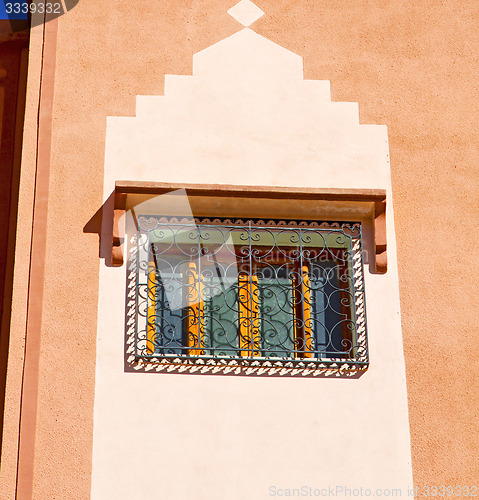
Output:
x=249 y=291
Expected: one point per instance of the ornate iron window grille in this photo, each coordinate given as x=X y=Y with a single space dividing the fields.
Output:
x=249 y=292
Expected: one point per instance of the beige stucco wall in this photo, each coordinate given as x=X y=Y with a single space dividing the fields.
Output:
x=410 y=65
x=246 y=116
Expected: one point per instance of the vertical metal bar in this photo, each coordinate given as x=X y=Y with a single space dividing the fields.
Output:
x=363 y=294
x=137 y=284
x=301 y=287
x=307 y=320
x=151 y=304
x=243 y=315
x=250 y=289
x=199 y=291
x=193 y=310
x=254 y=317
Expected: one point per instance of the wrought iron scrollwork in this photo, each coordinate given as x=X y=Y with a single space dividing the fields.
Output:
x=246 y=292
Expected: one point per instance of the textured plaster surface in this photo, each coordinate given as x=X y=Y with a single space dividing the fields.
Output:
x=245 y=12
x=198 y=131
x=414 y=67
x=19 y=299
x=411 y=65
x=246 y=116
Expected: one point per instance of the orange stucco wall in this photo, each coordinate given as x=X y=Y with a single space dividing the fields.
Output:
x=411 y=65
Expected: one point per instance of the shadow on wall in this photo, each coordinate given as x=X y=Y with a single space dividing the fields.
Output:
x=102 y=224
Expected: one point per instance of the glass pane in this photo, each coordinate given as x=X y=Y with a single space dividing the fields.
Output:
x=276 y=312
x=169 y=314
x=201 y=276
x=220 y=317
x=327 y=311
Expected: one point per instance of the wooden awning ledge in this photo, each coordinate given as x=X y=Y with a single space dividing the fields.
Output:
x=126 y=190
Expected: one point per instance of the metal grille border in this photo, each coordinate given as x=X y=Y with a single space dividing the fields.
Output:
x=138 y=358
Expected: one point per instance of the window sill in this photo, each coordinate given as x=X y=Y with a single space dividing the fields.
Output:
x=248 y=366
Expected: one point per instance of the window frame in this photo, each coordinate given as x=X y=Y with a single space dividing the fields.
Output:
x=361 y=358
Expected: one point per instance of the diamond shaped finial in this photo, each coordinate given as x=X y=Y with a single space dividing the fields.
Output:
x=245 y=12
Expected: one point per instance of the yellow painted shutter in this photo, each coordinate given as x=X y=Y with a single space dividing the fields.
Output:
x=303 y=324
x=307 y=320
x=249 y=320
x=194 y=290
x=151 y=320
